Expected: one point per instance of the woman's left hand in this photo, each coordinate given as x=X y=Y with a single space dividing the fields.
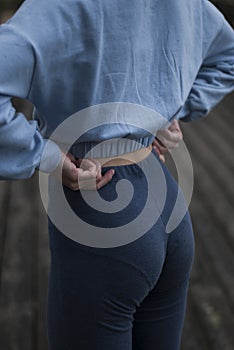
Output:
x=167 y=139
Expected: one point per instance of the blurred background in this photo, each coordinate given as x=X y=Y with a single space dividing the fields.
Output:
x=24 y=254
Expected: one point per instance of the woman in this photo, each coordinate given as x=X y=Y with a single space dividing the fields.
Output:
x=174 y=58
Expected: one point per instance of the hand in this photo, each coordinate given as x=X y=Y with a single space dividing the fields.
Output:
x=167 y=139
x=87 y=176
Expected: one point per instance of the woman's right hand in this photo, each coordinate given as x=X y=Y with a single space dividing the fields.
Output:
x=82 y=173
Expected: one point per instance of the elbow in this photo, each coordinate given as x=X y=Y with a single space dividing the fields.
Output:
x=24 y=175
x=16 y=173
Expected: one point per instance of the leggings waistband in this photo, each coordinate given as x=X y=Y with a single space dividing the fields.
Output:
x=110 y=148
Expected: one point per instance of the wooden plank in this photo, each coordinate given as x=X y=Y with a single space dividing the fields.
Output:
x=215 y=314
x=194 y=335
x=216 y=177
x=208 y=294
x=5 y=188
x=17 y=309
x=25 y=267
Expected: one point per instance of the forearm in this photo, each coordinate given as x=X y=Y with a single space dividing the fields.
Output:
x=215 y=78
x=21 y=144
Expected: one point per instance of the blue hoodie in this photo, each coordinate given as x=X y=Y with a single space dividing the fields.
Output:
x=174 y=57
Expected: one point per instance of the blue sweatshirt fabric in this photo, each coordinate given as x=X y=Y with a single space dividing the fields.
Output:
x=174 y=57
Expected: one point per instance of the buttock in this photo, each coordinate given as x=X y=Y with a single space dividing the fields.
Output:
x=146 y=253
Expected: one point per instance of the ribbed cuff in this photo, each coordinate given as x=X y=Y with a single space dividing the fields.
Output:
x=51 y=157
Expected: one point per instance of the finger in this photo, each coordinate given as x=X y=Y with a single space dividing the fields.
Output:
x=87 y=170
x=170 y=135
x=169 y=139
x=158 y=143
x=78 y=161
x=169 y=146
x=176 y=125
x=157 y=150
x=164 y=150
x=69 y=170
x=89 y=167
x=161 y=148
x=71 y=157
x=155 y=145
x=98 y=169
x=172 y=127
x=176 y=131
x=162 y=158
x=105 y=179
x=88 y=181
x=87 y=185
x=71 y=185
x=91 y=185
x=99 y=174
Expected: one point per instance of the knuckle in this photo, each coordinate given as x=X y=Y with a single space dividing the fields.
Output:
x=74 y=186
x=170 y=147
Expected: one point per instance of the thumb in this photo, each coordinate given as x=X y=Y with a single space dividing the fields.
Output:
x=176 y=125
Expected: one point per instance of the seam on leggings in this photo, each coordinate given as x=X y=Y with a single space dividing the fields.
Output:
x=176 y=285
x=182 y=225
x=123 y=262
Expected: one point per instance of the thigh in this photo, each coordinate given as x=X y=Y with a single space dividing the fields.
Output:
x=159 y=320
x=91 y=301
x=93 y=295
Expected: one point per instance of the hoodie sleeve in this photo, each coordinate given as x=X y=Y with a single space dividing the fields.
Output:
x=215 y=78
x=21 y=144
